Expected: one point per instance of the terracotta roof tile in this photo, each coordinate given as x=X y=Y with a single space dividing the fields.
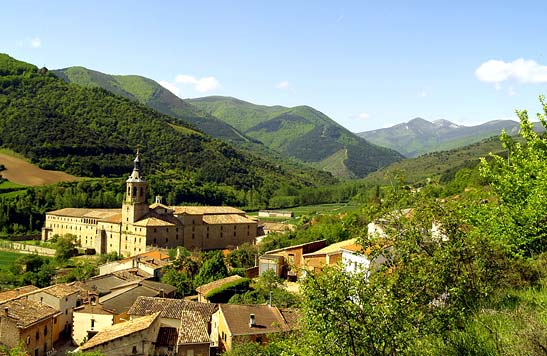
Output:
x=153 y=254
x=61 y=290
x=206 y=210
x=206 y=288
x=93 y=309
x=26 y=312
x=14 y=293
x=193 y=329
x=267 y=319
x=117 y=331
x=292 y=317
x=153 y=221
x=332 y=248
x=98 y=214
x=170 y=308
x=227 y=219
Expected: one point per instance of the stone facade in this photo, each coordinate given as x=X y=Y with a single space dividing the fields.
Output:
x=28 y=322
x=138 y=226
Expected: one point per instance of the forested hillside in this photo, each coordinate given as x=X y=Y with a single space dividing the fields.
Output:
x=148 y=92
x=92 y=132
x=303 y=133
x=439 y=166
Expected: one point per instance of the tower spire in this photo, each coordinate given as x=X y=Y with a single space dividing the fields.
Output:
x=136 y=175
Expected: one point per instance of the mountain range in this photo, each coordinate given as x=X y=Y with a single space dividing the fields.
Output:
x=150 y=93
x=302 y=132
x=419 y=136
x=92 y=132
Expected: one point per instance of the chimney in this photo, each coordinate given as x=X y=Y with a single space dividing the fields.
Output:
x=158 y=199
x=252 y=321
x=6 y=309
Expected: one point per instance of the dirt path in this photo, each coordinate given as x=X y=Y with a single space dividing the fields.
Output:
x=21 y=172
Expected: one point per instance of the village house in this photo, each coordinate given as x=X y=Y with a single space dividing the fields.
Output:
x=16 y=292
x=107 y=299
x=244 y=323
x=193 y=337
x=286 y=262
x=62 y=297
x=332 y=254
x=88 y=320
x=28 y=322
x=185 y=326
x=138 y=226
x=134 y=337
x=148 y=264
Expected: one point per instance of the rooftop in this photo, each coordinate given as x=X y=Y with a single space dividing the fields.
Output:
x=170 y=308
x=153 y=221
x=98 y=214
x=153 y=254
x=314 y=244
x=206 y=210
x=117 y=331
x=267 y=319
x=25 y=312
x=123 y=297
x=104 y=284
x=61 y=290
x=14 y=293
x=227 y=219
x=193 y=329
x=206 y=288
x=332 y=248
x=92 y=309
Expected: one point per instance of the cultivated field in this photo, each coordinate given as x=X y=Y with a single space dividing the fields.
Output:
x=22 y=172
x=7 y=258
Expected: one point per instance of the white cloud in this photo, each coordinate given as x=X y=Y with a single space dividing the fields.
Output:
x=283 y=85
x=520 y=70
x=202 y=85
x=35 y=42
x=422 y=93
x=363 y=116
x=511 y=91
x=171 y=87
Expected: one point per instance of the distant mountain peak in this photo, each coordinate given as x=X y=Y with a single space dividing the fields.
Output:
x=445 y=124
x=420 y=136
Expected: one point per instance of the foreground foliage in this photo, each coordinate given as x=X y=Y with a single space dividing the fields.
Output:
x=462 y=276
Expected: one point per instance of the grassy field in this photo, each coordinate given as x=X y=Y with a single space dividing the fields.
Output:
x=8 y=258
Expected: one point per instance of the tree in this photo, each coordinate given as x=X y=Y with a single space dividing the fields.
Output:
x=178 y=279
x=244 y=257
x=65 y=247
x=19 y=350
x=212 y=269
x=520 y=182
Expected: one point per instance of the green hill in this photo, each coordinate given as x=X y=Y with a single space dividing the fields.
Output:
x=303 y=133
x=419 y=136
x=437 y=165
x=92 y=132
x=152 y=94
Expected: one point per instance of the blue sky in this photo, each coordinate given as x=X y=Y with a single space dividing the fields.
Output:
x=366 y=64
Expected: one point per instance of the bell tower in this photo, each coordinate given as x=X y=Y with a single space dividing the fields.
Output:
x=135 y=205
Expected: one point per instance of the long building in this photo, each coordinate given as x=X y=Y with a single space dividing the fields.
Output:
x=137 y=226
